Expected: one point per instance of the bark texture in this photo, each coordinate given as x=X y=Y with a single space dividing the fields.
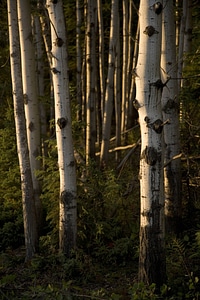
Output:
x=90 y=81
x=148 y=94
x=67 y=204
x=170 y=110
x=30 y=96
x=30 y=227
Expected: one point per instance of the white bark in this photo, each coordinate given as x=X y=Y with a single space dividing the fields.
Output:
x=170 y=108
x=30 y=95
x=68 y=213
x=30 y=226
x=148 y=95
x=109 y=84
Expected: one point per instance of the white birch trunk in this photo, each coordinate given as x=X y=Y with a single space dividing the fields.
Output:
x=109 y=85
x=170 y=108
x=30 y=225
x=148 y=95
x=90 y=82
x=68 y=213
x=30 y=95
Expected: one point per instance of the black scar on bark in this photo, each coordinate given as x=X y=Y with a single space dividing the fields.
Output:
x=26 y=99
x=157 y=126
x=31 y=126
x=62 y=122
x=59 y=42
x=170 y=105
x=157 y=7
x=67 y=199
x=150 y=30
x=54 y=1
x=158 y=84
x=150 y=155
x=136 y=104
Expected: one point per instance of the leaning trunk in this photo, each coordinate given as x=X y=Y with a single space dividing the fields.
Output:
x=30 y=227
x=107 y=118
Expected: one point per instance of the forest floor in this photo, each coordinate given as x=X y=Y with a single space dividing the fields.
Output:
x=50 y=278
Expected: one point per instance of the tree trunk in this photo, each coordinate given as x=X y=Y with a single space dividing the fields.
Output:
x=117 y=94
x=78 y=60
x=30 y=96
x=170 y=109
x=109 y=85
x=125 y=65
x=101 y=55
x=41 y=85
x=130 y=117
x=181 y=45
x=90 y=81
x=30 y=225
x=149 y=88
x=68 y=212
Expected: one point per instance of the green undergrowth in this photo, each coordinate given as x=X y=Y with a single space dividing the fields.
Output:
x=83 y=277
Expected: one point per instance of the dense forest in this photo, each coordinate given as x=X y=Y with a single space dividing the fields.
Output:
x=99 y=149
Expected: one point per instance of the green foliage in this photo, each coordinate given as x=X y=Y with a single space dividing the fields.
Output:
x=142 y=292
x=106 y=226
x=11 y=219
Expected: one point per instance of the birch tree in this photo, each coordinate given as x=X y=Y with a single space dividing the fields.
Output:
x=37 y=30
x=109 y=84
x=117 y=93
x=181 y=44
x=170 y=109
x=78 y=59
x=28 y=204
x=101 y=54
x=66 y=164
x=30 y=95
x=125 y=64
x=90 y=81
x=148 y=94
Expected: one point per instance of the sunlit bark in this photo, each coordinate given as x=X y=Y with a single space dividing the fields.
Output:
x=148 y=94
x=30 y=93
x=66 y=164
x=28 y=204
